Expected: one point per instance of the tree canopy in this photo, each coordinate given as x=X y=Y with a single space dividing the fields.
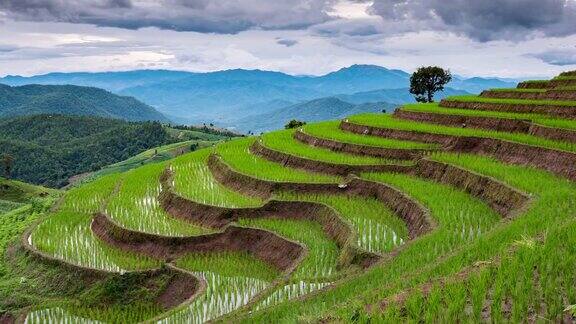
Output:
x=426 y=81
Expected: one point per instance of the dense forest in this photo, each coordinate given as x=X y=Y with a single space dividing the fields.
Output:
x=72 y=100
x=48 y=149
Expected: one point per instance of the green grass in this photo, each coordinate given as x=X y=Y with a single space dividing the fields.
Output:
x=193 y=180
x=565 y=77
x=461 y=219
x=223 y=295
x=543 y=283
x=136 y=205
x=387 y=121
x=330 y=130
x=67 y=236
x=322 y=255
x=471 y=98
x=236 y=154
x=377 y=228
x=21 y=192
x=535 y=118
x=229 y=264
x=283 y=141
x=6 y=206
x=154 y=155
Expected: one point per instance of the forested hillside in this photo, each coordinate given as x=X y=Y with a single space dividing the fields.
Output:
x=72 y=100
x=48 y=150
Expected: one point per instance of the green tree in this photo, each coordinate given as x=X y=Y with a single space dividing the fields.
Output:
x=294 y=124
x=428 y=80
x=8 y=164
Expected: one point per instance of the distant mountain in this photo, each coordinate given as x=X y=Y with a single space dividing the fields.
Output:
x=310 y=111
x=72 y=100
x=224 y=96
x=111 y=81
x=394 y=96
x=477 y=85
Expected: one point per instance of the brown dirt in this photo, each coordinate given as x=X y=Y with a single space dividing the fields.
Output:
x=557 y=134
x=415 y=216
x=499 y=124
x=390 y=153
x=558 y=162
x=561 y=83
x=180 y=289
x=552 y=110
x=492 y=123
x=502 y=198
x=262 y=244
x=533 y=85
x=7 y=318
x=550 y=94
x=318 y=166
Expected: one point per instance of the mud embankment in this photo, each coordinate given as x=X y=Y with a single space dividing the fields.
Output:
x=550 y=94
x=500 y=197
x=414 y=215
x=383 y=152
x=263 y=245
x=491 y=123
x=558 y=162
x=552 y=110
x=297 y=162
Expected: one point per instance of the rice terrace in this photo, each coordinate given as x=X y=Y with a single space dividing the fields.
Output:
x=457 y=211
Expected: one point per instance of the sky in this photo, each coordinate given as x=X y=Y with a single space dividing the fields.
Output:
x=504 y=38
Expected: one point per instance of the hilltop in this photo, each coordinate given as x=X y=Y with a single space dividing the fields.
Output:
x=48 y=149
x=72 y=100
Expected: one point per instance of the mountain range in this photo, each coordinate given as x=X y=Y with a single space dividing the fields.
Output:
x=227 y=97
x=72 y=100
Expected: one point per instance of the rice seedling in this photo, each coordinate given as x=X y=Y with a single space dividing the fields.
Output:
x=223 y=295
x=472 y=98
x=462 y=220
x=322 y=257
x=229 y=264
x=536 y=118
x=90 y=198
x=378 y=230
x=330 y=130
x=67 y=235
x=289 y=292
x=284 y=141
x=193 y=180
x=56 y=315
x=387 y=121
x=236 y=153
x=136 y=205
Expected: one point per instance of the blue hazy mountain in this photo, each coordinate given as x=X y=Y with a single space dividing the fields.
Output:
x=72 y=100
x=310 y=111
x=225 y=96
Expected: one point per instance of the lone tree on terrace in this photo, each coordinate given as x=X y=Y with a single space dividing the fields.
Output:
x=7 y=163
x=294 y=124
x=426 y=81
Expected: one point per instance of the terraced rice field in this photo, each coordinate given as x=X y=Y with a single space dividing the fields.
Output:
x=475 y=222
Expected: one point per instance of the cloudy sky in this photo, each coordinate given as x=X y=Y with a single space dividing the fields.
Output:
x=506 y=38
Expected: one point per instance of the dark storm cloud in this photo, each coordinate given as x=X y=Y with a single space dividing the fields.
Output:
x=220 y=16
x=483 y=20
x=558 y=57
x=286 y=42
